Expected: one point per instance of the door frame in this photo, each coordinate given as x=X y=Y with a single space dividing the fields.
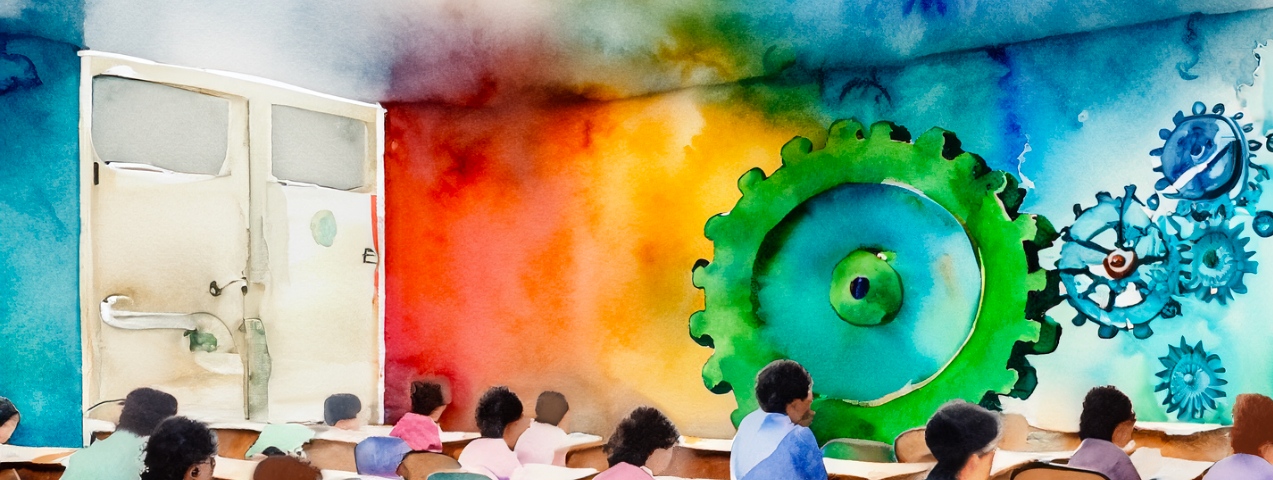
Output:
x=260 y=94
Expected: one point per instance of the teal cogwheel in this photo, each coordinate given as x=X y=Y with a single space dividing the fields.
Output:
x=1192 y=380
x=900 y=274
x=1217 y=260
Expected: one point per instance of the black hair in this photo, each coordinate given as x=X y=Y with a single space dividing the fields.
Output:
x=272 y=451
x=426 y=397
x=958 y=431
x=176 y=445
x=1103 y=409
x=638 y=435
x=144 y=409
x=780 y=383
x=341 y=406
x=7 y=410
x=551 y=407
x=497 y=408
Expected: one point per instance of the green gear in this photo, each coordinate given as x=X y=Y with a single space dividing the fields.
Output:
x=1009 y=318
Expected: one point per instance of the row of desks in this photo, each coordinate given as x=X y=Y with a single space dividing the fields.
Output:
x=332 y=451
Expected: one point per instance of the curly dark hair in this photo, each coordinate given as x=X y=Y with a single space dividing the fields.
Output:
x=642 y=432
x=780 y=383
x=956 y=432
x=177 y=444
x=284 y=467
x=7 y=410
x=1252 y=423
x=341 y=406
x=1103 y=409
x=551 y=407
x=497 y=408
x=426 y=397
x=144 y=409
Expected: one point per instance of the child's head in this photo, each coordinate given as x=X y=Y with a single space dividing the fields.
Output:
x=180 y=448
x=9 y=418
x=145 y=409
x=644 y=438
x=342 y=407
x=427 y=399
x=550 y=408
x=497 y=410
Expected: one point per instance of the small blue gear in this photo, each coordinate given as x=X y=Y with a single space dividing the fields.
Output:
x=1192 y=380
x=1217 y=259
x=1118 y=268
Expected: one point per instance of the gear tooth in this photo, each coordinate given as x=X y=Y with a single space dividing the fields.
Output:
x=753 y=177
x=714 y=225
x=932 y=142
x=891 y=131
x=795 y=149
x=698 y=329
x=845 y=132
x=699 y=279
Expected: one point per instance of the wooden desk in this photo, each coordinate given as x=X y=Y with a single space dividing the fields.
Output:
x=33 y=463
x=1197 y=442
x=688 y=462
x=853 y=470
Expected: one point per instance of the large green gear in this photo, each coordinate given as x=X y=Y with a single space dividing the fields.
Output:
x=1007 y=318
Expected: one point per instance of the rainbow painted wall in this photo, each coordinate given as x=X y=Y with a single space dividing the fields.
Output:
x=550 y=168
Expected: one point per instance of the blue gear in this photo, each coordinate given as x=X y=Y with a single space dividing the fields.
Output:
x=1217 y=259
x=1118 y=268
x=1192 y=380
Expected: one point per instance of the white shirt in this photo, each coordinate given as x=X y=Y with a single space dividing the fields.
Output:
x=491 y=457
x=540 y=444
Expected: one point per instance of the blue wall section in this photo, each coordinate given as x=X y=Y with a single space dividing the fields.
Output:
x=39 y=238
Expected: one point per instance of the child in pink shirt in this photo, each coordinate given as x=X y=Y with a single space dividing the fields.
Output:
x=420 y=427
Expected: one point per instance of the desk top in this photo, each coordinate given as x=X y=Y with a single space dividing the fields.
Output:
x=551 y=472
x=46 y=455
x=1179 y=428
x=856 y=470
x=707 y=444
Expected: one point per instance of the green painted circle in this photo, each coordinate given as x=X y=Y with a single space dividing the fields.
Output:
x=323 y=227
x=865 y=290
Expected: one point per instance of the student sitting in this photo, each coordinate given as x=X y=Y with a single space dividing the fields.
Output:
x=119 y=456
x=963 y=438
x=341 y=411
x=1251 y=439
x=500 y=421
x=1105 y=427
x=180 y=449
x=420 y=427
x=283 y=467
x=544 y=438
x=775 y=442
x=641 y=446
x=9 y=418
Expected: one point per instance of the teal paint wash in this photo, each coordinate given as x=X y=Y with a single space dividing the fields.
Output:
x=40 y=349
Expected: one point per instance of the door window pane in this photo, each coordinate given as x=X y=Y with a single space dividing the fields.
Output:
x=154 y=124
x=318 y=148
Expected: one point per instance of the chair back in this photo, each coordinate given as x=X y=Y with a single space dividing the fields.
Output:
x=910 y=447
x=859 y=450
x=1052 y=471
x=380 y=456
x=420 y=465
